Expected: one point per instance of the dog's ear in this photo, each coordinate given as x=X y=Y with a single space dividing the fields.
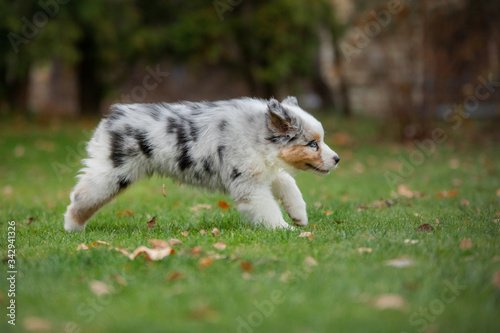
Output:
x=279 y=120
x=291 y=100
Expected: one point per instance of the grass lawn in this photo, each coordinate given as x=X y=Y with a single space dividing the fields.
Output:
x=347 y=277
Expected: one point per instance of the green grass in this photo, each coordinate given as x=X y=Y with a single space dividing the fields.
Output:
x=282 y=293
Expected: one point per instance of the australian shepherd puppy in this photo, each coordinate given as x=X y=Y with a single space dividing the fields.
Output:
x=249 y=148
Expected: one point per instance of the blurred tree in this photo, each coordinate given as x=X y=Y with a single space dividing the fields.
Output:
x=270 y=44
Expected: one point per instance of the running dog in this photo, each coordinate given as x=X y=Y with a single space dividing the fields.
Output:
x=247 y=147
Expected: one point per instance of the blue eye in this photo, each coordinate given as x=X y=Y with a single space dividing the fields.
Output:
x=313 y=144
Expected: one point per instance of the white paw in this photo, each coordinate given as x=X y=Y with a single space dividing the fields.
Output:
x=70 y=225
x=299 y=217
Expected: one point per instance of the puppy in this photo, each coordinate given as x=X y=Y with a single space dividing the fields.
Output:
x=249 y=148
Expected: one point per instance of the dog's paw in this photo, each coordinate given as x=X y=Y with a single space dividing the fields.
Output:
x=300 y=219
x=70 y=225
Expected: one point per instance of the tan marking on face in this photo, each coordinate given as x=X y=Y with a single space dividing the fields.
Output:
x=300 y=156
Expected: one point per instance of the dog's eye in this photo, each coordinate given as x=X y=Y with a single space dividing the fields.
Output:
x=313 y=144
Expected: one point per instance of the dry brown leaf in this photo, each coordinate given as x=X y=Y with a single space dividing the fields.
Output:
x=151 y=254
x=305 y=234
x=405 y=191
x=163 y=190
x=437 y=221
x=126 y=212
x=152 y=223
x=464 y=202
x=175 y=241
x=246 y=266
x=365 y=249
x=36 y=324
x=328 y=212
x=496 y=280
x=82 y=246
x=223 y=205
x=426 y=227
x=205 y=262
x=311 y=237
x=175 y=276
x=215 y=232
x=466 y=244
x=125 y=252
x=498 y=192
x=411 y=241
x=99 y=288
x=185 y=233
x=120 y=280
x=197 y=208
x=195 y=250
x=310 y=261
x=219 y=246
x=30 y=220
x=203 y=232
x=417 y=214
x=447 y=194
x=158 y=243
x=389 y=301
x=376 y=204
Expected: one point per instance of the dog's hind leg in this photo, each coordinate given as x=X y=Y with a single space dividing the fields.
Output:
x=93 y=190
x=286 y=190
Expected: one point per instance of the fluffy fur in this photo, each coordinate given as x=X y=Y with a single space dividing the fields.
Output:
x=249 y=148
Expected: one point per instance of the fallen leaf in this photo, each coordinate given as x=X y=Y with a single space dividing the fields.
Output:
x=389 y=301
x=120 y=280
x=466 y=244
x=205 y=262
x=215 y=232
x=175 y=276
x=411 y=241
x=218 y=256
x=223 y=205
x=36 y=324
x=311 y=237
x=99 y=288
x=197 y=208
x=426 y=227
x=498 y=192
x=195 y=250
x=203 y=232
x=219 y=246
x=246 y=266
x=151 y=254
x=163 y=190
x=496 y=220
x=123 y=251
x=496 y=280
x=497 y=213
x=310 y=261
x=305 y=234
x=405 y=191
x=82 y=246
x=152 y=223
x=159 y=243
x=364 y=249
x=376 y=204
x=437 y=221
x=185 y=233
x=447 y=194
x=328 y=212
x=246 y=275
x=126 y=212
x=464 y=202
x=30 y=220
x=417 y=214
x=284 y=277
x=175 y=241
x=399 y=263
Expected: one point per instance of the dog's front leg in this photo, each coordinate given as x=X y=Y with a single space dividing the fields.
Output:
x=286 y=190
x=260 y=207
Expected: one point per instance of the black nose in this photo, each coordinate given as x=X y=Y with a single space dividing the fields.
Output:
x=337 y=159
